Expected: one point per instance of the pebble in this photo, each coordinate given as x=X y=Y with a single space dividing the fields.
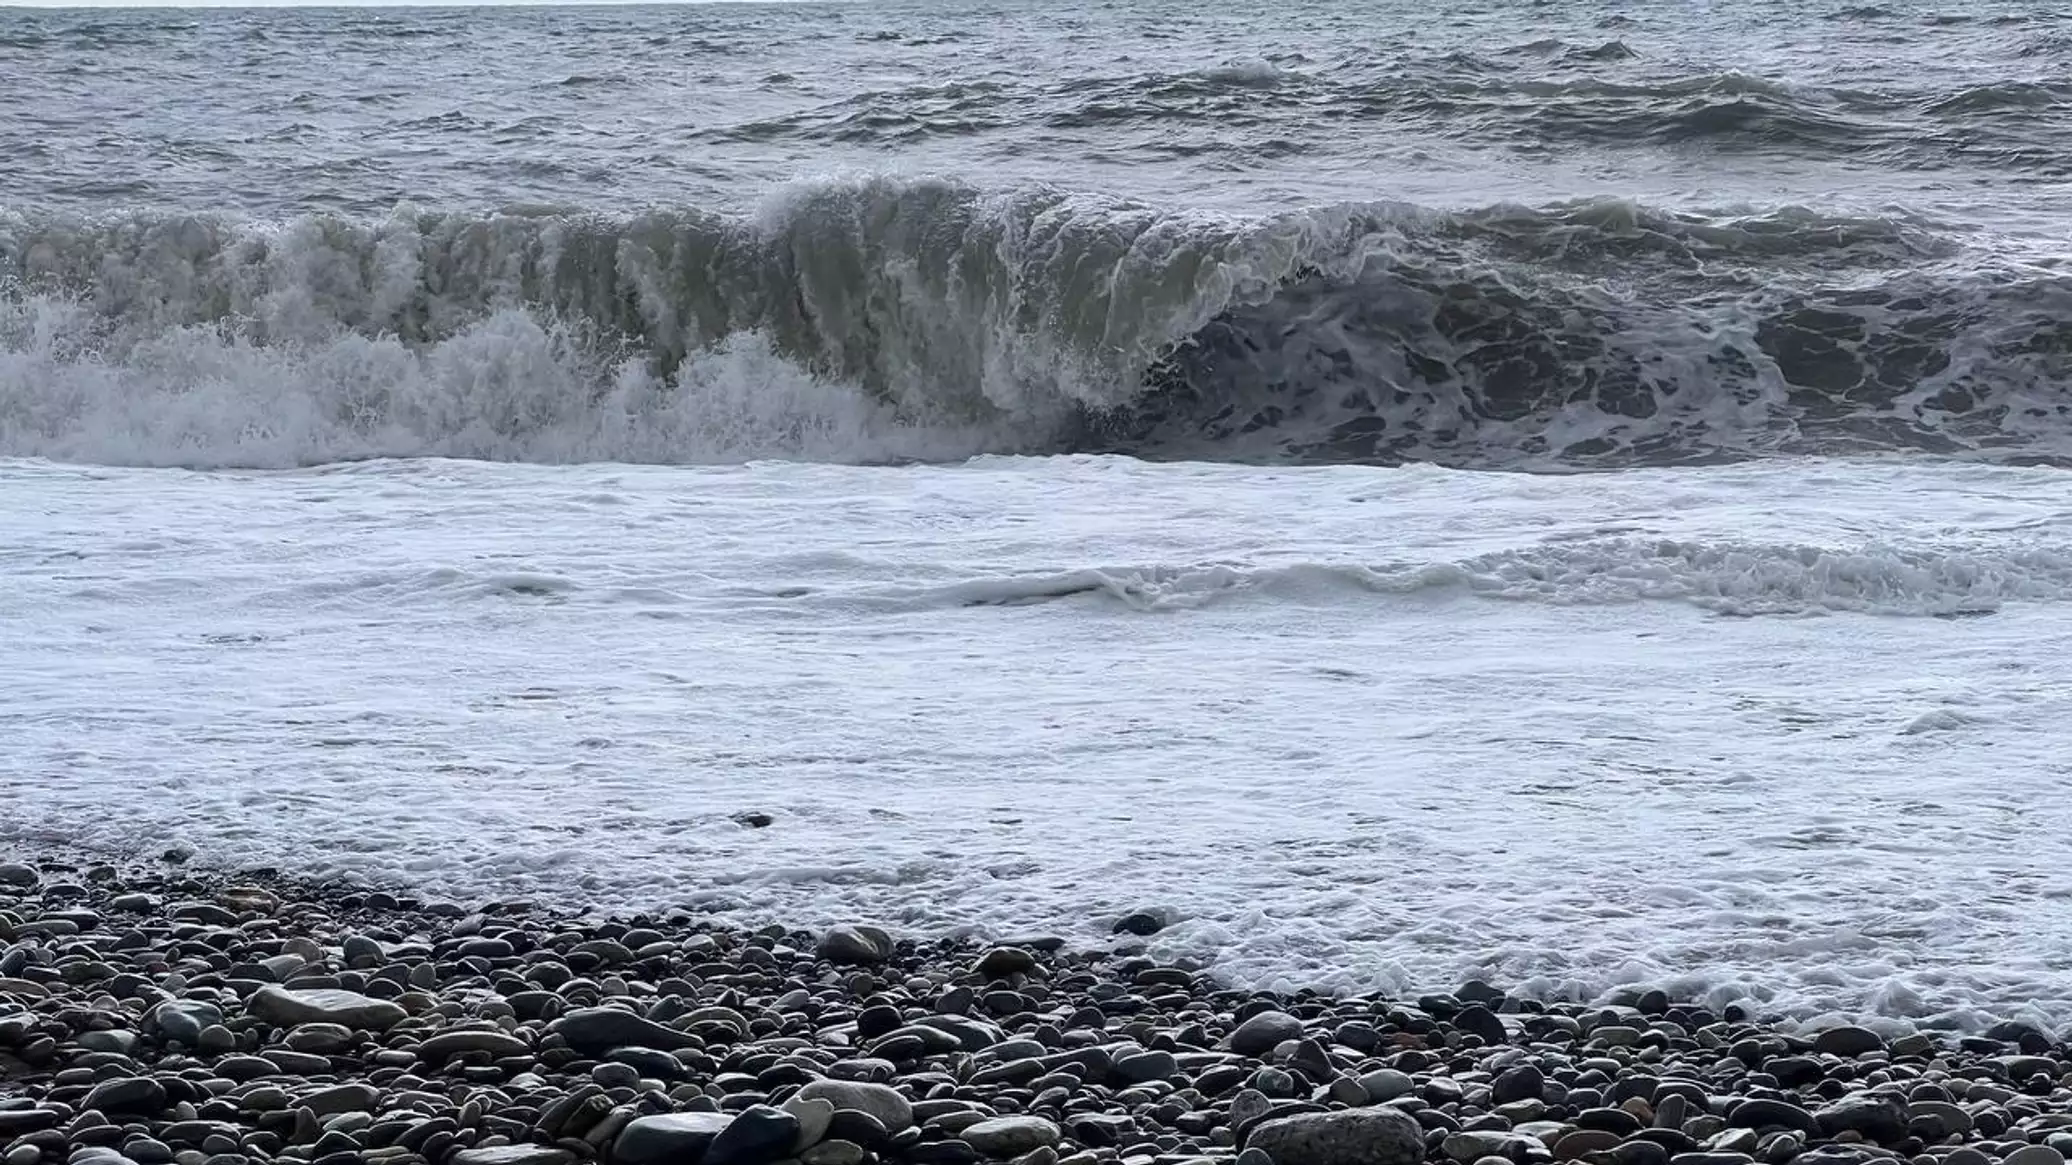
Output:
x=668 y=1138
x=1011 y=1136
x=758 y=1135
x=286 y=1008
x=1264 y=1032
x=883 y=1103
x=864 y=945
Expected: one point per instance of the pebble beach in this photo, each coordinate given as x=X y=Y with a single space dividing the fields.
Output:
x=156 y=1016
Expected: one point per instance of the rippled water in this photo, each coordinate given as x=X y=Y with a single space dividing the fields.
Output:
x=1948 y=111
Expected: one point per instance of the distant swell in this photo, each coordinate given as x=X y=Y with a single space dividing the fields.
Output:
x=881 y=319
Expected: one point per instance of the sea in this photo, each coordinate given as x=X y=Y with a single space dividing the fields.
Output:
x=1564 y=492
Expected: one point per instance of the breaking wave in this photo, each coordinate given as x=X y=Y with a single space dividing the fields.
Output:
x=893 y=319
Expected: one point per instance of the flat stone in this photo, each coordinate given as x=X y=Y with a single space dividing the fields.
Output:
x=1011 y=1136
x=2034 y=1155
x=320 y=1038
x=16 y=1121
x=446 y=1045
x=1358 y=1136
x=599 y=1029
x=880 y=1102
x=285 y=1007
x=341 y=1098
x=513 y=1155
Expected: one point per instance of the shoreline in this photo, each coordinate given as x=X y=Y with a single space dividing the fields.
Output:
x=174 y=1017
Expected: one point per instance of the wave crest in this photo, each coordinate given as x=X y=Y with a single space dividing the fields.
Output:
x=893 y=318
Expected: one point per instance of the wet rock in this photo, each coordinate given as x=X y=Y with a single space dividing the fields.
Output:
x=1369 y=1136
x=133 y=1094
x=600 y=1029
x=880 y=1102
x=856 y=945
x=287 y=1007
x=673 y=1138
x=758 y=1135
x=1847 y=1042
x=1264 y=1032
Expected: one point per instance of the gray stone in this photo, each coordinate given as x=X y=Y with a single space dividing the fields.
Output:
x=1763 y=1113
x=1011 y=1136
x=814 y=1116
x=1878 y=1116
x=215 y=1040
x=1583 y=1142
x=320 y=1038
x=598 y=1029
x=758 y=1135
x=122 y=1043
x=17 y=874
x=833 y=1153
x=1473 y=1145
x=298 y=1063
x=341 y=1098
x=145 y=1151
x=1358 y=1136
x=2034 y=1155
x=672 y=1138
x=183 y=1019
x=855 y=945
x=1525 y=1082
x=1386 y=1084
x=16 y=1121
x=513 y=1155
x=284 y=1007
x=881 y=1102
x=1839 y=1155
x=1144 y=1067
x=1263 y=1032
x=446 y=1045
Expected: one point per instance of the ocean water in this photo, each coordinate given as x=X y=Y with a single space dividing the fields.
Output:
x=1568 y=493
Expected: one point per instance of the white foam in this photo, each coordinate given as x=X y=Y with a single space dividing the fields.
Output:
x=1357 y=728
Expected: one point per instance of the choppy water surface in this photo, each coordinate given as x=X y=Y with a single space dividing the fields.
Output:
x=1562 y=491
